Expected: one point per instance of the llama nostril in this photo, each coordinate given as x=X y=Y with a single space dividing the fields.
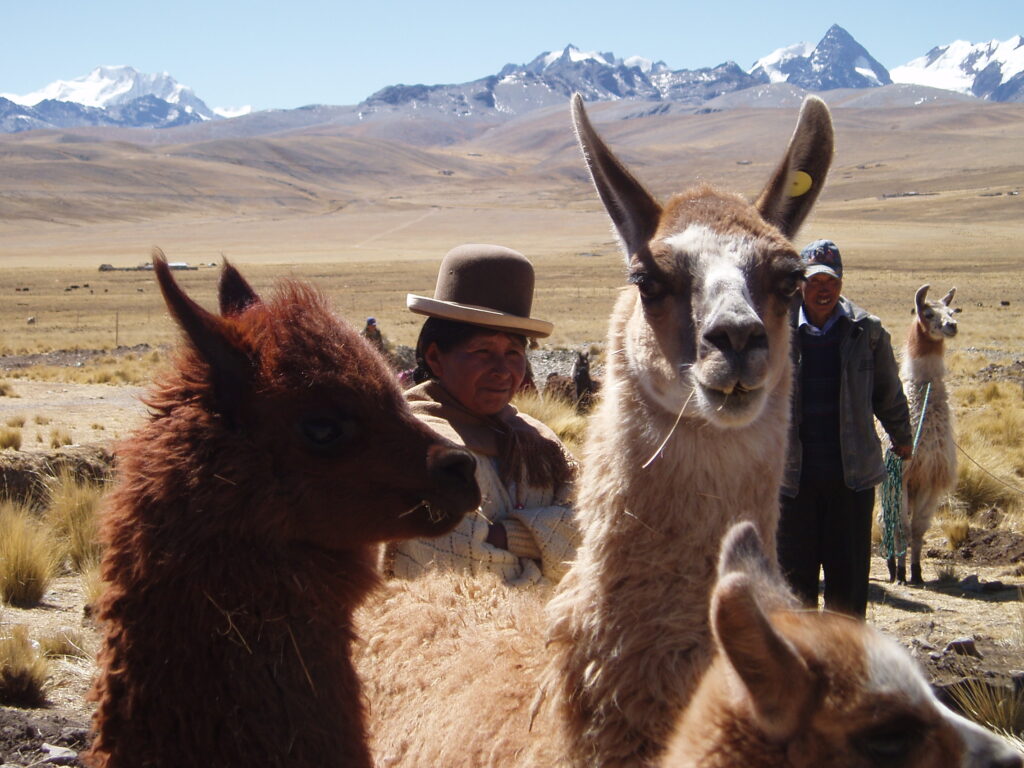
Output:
x=738 y=337
x=454 y=466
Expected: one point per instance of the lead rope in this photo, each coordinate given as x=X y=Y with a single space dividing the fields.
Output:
x=894 y=538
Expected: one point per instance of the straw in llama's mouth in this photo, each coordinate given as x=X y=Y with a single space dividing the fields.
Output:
x=435 y=514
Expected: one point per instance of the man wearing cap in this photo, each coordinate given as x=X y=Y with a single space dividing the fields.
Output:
x=846 y=375
x=470 y=361
x=373 y=335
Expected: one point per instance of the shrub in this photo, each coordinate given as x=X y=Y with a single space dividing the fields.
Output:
x=26 y=556
x=23 y=670
x=16 y=421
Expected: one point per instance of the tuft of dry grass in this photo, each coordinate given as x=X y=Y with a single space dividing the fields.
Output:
x=947 y=575
x=23 y=670
x=559 y=415
x=93 y=585
x=26 y=556
x=59 y=438
x=999 y=708
x=6 y=390
x=957 y=530
x=41 y=420
x=986 y=478
x=10 y=438
x=72 y=514
x=16 y=421
x=65 y=643
x=990 y=432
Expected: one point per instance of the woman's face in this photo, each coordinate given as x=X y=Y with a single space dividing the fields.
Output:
x=482 y=373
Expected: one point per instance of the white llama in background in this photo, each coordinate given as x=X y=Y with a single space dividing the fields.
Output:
x=932 y=471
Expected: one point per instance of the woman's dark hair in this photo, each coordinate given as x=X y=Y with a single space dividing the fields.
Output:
x=447 y=334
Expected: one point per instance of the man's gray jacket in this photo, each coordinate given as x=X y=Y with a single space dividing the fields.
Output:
x=869 y=385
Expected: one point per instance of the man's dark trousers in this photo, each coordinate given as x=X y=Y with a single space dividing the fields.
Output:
x=827 y=526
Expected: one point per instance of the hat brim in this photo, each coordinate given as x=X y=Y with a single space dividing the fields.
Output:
x=821 y=269
x=487 y=318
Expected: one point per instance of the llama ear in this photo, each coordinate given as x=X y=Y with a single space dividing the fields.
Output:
x=948 y=298
x=231 y=367
x=634 y=212
x=776 y=678
x=800 y=176
x=234 y=292
x=742 y=551
x=920 y=296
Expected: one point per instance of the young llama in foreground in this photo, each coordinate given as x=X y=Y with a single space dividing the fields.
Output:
x=791 y=688
x=240 y=536
x=932 y=471
x=687 y=438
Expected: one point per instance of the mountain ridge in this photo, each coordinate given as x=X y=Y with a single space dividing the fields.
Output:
x=121 y=97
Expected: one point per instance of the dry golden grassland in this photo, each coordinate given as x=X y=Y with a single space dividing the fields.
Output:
x=367 y=237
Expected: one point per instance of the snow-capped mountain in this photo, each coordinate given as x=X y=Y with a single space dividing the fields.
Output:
x=117 y=95
x=122 y=96
x=992 y=70
x=837 y=61
x=778 y=64
x=553 y=76
x=113 y=86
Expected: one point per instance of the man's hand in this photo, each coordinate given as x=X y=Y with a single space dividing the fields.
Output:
x=903 y=451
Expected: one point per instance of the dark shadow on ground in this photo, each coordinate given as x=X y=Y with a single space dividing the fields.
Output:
x=879 y=594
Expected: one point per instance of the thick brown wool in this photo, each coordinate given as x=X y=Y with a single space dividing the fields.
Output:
x=240 y=538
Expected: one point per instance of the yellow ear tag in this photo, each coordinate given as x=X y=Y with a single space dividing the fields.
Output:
x=800 y=183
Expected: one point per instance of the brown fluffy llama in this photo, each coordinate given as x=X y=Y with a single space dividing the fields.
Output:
x=688 y=437
x=240 y=536
x=791 y=688
x=932 y=471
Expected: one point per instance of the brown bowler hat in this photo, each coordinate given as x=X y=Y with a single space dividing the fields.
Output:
x=485 y=285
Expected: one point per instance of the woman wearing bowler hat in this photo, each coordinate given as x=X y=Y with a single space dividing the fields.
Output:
x=470 y=361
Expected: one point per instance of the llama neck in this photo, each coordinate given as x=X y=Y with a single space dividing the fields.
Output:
x=923 y=368
x=265 y=629
x=923 y=356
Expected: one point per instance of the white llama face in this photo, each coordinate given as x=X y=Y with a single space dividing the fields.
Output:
x=709 y=332
x=936 y=318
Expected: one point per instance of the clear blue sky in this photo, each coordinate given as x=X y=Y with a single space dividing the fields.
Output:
x=288 y=53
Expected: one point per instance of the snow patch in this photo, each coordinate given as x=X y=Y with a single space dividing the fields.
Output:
x=229 y=112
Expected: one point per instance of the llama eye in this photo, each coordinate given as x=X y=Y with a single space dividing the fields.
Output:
x=790 y=283
x=889 y=744
x=928 y=314
x=651 y=288
x=327 y=432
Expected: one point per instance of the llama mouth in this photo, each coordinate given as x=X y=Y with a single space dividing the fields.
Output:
x=735 y=397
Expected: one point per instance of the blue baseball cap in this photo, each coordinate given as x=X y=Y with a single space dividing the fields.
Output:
x=822 y=257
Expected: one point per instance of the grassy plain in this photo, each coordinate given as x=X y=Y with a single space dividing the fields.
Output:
x=915 y=196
